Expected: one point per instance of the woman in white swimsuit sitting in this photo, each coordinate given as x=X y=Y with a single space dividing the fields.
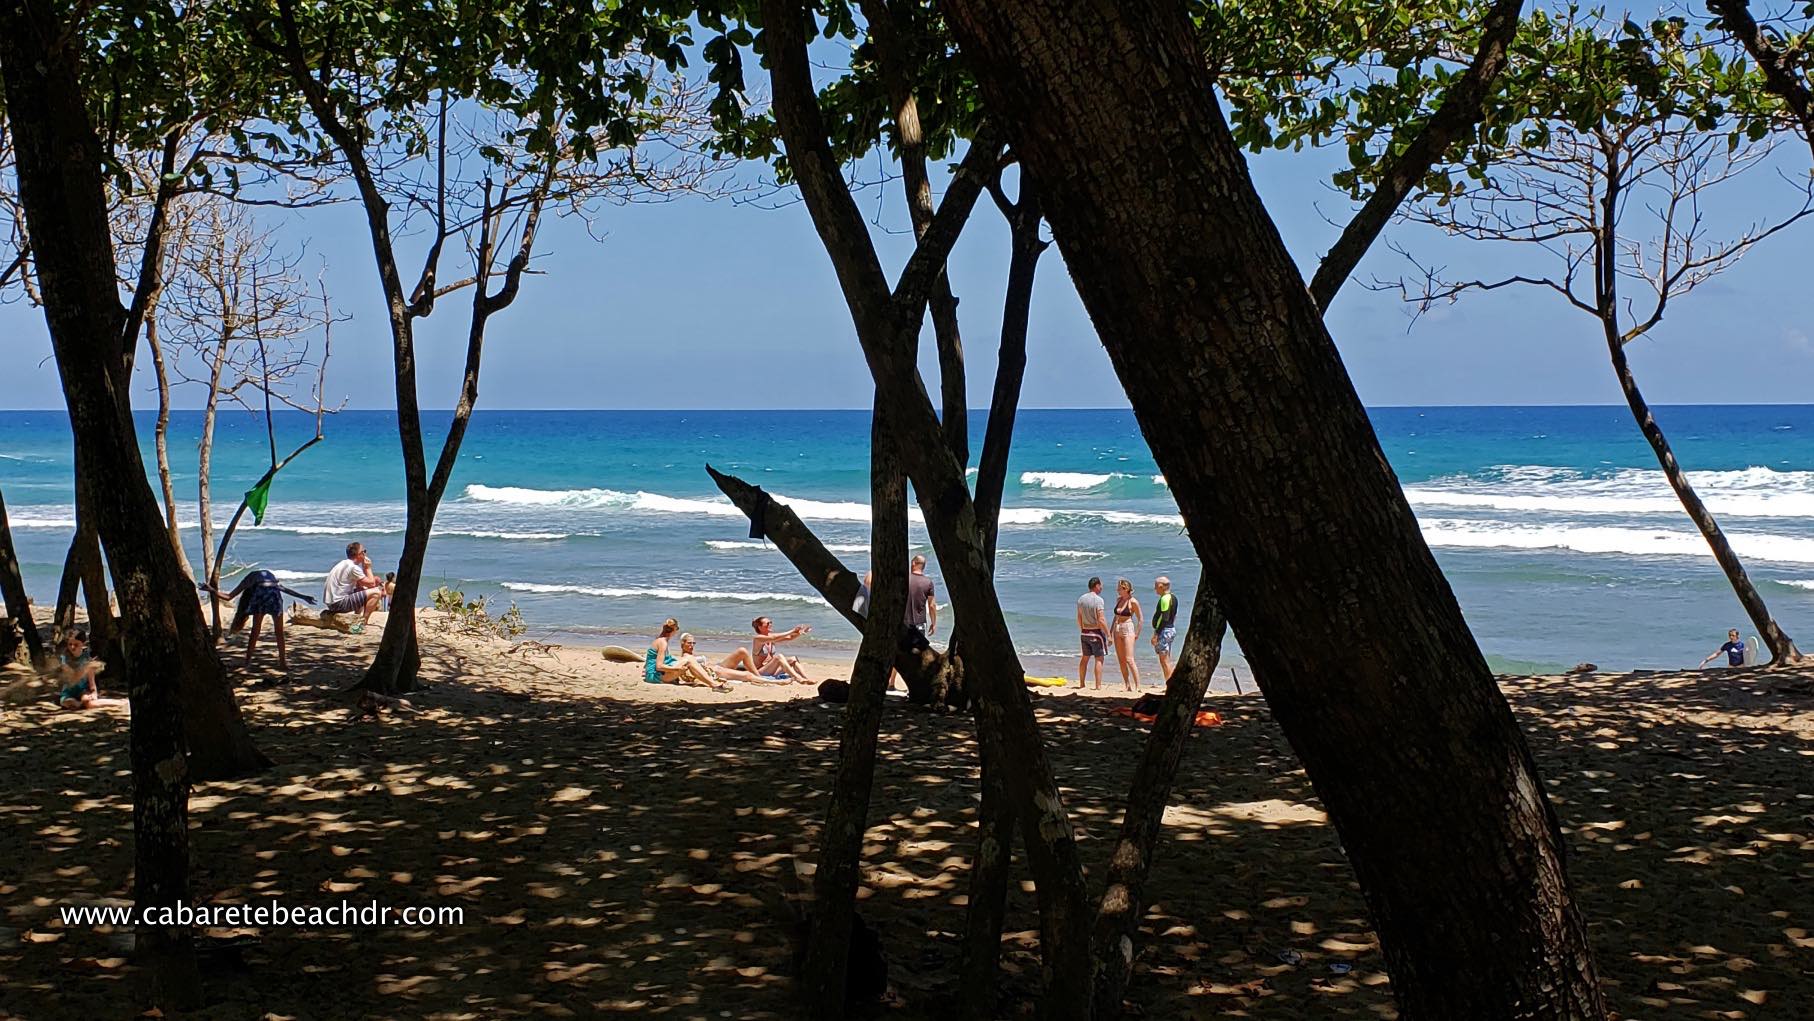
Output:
x=761 y=657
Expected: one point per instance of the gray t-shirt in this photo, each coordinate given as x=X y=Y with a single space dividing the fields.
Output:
x=919 y=591
x=1089 y=611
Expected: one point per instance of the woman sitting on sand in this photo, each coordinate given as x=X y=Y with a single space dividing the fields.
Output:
x=661 y=667
x=762 y=659
x=721 y=671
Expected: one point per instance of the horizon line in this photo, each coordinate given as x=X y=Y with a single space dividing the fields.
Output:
x=803 y=411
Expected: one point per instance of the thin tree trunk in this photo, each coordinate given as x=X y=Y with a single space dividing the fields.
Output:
x=69 y=588
x=162 y=438
x=204 y=456
x=99 y=603
x=1304 y=535
x=1782 y=647
x=12 y=586
x=846 y=818
x=991 y=869
x=1124 y=898
x=1606 y=296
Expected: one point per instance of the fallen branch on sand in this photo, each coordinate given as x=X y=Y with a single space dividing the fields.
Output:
x=530 y=645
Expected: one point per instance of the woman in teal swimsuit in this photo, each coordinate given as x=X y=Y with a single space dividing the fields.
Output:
x=660 y=667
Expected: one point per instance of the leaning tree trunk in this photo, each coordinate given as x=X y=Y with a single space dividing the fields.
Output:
x=59 y=175
x=1304 y=535
x=101 y=637
x=1124 y=898
x=69 y=587
x=12 y=587
x=1782 y=647
x=847 y=816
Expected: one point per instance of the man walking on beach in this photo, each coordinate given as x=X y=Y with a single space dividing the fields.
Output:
x=1165 y=621
x=1093 y=629
x=352 y=587
x=921 y=618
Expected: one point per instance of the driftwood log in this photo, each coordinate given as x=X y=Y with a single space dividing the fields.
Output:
x=325 y=620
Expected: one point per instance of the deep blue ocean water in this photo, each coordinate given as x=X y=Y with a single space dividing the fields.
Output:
x=1553 y=524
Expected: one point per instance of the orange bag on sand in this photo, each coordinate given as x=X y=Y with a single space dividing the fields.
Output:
x=1204 y=717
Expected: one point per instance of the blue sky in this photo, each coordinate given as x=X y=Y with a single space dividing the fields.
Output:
x=717 y=304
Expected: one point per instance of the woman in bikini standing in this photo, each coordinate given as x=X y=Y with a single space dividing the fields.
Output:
x=1126 y=630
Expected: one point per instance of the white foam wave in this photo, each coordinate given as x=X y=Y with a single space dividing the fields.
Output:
x=1753 y=492
x=1455 y=533
x=658 y=593
x=1159 y=480
x=735 y=544
x=300 y=575
x=1078 y=554
x=1801 y=583
x=1067 y=480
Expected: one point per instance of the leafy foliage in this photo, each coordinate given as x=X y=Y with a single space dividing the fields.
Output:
x=473 y=617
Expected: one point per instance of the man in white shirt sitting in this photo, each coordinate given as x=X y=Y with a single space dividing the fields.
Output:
x=353 y=586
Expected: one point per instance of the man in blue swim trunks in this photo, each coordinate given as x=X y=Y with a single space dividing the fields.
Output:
x=1734 y=650
x=1092 y=630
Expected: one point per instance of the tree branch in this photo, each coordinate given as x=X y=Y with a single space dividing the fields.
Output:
x=1781 y=77
x=1461 y=108
x=150 y=258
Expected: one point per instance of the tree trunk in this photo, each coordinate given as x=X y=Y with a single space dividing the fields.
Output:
x=396 y=669
x=204 y=460
x=59 y=176
x=69 y=588
x=846 y=818
x=1124 y=898
x=12 y=587
x=162 y=439
x=101 y=637
x=887 y=323
x=1782 y=647
x=991 y=869
x=1304 y=535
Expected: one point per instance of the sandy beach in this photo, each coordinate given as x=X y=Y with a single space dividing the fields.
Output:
x=618 y=846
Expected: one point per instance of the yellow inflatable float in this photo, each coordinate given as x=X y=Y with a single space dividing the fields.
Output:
x=1046 y=682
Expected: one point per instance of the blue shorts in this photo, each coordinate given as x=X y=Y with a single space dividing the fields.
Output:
x=1094 y=644
x=1162 y=639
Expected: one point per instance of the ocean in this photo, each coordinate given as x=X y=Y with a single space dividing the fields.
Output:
x=1553 y=524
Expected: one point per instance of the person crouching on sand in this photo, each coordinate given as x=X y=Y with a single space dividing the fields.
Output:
x=1734 y=650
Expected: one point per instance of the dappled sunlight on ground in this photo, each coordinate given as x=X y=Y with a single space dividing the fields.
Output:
x=620 y=851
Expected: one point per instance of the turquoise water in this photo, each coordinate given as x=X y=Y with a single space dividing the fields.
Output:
x=1554 y=526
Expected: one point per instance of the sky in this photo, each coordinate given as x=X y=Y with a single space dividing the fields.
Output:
x=699 y=303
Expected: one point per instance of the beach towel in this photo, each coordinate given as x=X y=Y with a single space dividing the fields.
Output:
x=1146 y=710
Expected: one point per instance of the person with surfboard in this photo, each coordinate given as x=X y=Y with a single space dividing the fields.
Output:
x=1165 y=624
x=1737 y=652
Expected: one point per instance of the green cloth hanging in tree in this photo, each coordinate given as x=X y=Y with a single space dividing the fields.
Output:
x=257 y=498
